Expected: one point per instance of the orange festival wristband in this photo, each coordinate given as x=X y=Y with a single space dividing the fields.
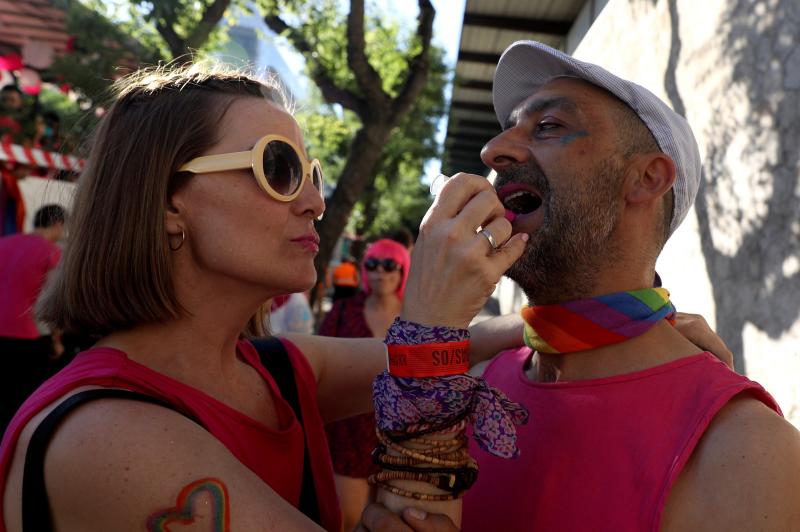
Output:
x=429 y=360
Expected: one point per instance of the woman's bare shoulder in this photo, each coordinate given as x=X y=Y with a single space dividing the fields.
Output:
x=113 y=464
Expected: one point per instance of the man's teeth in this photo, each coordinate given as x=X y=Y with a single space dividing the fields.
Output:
x=522 y=202
x=517 y=195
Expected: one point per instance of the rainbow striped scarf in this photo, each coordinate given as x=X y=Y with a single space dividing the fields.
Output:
x=596 y=322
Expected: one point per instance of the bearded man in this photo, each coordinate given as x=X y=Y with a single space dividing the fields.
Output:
x=632 y=427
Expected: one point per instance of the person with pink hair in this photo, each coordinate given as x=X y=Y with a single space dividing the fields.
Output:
x=384 y=271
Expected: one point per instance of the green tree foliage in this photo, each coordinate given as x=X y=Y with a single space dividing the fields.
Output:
x=115 y=38
x=105 y=50
x=142 y=33
x=377 y=72
x=185 y=26
x=381 y=83
x=396 y=197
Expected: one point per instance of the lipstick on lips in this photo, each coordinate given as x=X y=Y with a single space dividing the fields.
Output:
x=438 y=183
x=310 y=242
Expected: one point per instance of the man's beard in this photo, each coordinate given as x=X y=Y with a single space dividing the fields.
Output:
x=563 y=257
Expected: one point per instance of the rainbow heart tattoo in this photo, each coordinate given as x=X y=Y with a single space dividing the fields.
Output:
x=184 y=512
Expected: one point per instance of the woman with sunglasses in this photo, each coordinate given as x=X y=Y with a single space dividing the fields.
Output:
x=384 y=271
x=197 y=204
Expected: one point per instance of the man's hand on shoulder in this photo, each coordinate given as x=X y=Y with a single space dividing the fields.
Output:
x=743 y=475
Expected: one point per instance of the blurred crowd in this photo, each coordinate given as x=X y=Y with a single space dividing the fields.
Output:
x=24 y=122
x=344 y=278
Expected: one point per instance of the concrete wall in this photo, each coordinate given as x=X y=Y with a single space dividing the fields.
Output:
x=732 y=67
x=38 y=192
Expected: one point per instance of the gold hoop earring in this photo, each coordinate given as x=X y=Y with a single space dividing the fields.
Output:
x=180 y=244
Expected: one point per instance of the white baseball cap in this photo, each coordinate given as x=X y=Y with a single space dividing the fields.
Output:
x=527 y=65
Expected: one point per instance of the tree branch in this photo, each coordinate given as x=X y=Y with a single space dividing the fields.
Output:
x=330 y=90
x=211 y=16
x=419 y=65
x=367 y=78
x=177 y=45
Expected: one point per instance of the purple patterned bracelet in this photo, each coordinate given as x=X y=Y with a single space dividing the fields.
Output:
x=403 y=402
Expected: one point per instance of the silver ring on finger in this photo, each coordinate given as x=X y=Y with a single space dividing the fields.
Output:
x=490 y=237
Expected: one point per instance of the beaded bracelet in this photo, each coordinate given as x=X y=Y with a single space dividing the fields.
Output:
x=443 y=481
x=457 y=459
x=465 y=476
x=445 y=447
x=387 y=441
x=411 y=494
x=381 y=457
x=460 y=441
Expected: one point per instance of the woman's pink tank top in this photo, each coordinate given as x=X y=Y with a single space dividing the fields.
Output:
x=602 y=454
x=276 y=456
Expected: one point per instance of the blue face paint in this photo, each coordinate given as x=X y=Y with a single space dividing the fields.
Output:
x=573 y=136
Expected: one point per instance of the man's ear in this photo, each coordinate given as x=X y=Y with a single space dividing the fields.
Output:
x=651 y=176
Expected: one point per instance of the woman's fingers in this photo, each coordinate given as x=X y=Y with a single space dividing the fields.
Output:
x=499 y=229
x=454 y=268
x=506 y=250
x=481 y=209
x=456 y=193
x=509 y=253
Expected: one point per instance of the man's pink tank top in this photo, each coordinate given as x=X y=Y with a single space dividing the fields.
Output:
x=602 y=454
x=276 y=456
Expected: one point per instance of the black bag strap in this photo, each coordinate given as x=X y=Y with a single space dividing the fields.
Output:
x=35 y=506
x=275 y=359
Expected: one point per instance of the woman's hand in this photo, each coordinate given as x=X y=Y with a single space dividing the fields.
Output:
x=454 y=269
x=695 y=328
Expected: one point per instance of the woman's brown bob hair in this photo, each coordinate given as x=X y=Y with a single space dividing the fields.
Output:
x=115 y=272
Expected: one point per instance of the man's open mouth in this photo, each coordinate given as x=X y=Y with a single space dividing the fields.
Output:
x=520 y=199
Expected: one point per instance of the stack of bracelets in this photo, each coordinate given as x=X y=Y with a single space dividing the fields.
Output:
x=423 y=405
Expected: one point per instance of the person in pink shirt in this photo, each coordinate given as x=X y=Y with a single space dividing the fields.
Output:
x=633 y=427
x=25 y=262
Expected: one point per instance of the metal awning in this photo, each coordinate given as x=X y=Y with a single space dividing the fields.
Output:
x=489 y=27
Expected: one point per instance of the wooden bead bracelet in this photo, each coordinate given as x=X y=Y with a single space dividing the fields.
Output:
x=455 y=459
x=454 y=480
x=411 y=494
x=381 y=458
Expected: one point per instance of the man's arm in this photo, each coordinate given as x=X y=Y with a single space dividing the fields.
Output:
x=345 y=367
x=744 y=475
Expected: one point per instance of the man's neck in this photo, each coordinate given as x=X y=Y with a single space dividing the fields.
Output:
x=659 y=345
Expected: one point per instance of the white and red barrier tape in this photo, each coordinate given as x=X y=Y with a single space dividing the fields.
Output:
x=40 y=158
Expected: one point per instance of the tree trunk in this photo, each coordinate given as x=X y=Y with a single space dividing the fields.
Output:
x=365 y=152
x=369 y=199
